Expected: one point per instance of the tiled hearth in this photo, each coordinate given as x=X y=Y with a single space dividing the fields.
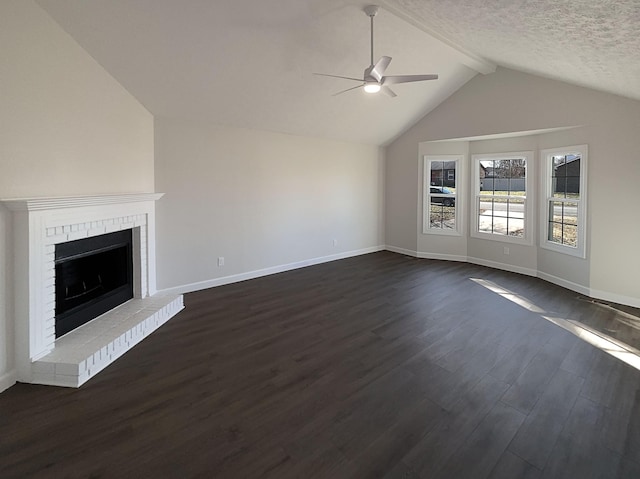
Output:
x=39 y=225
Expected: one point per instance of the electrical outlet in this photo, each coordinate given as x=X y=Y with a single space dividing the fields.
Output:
x=335 y=242
x=220 y=260
x=506 y=250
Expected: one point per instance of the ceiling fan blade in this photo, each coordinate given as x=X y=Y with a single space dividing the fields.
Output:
x=348 y=89
x=395 y=79
x=389 y=91
x=378 y=69
x=338 y=76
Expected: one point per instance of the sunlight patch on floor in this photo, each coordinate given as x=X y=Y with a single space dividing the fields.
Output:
x=619 y=350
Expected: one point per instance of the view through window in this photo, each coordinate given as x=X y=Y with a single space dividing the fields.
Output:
x=440 y=198
x=564 y=186
x=502 y=190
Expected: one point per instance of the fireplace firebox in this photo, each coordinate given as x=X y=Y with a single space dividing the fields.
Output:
x=92 y=276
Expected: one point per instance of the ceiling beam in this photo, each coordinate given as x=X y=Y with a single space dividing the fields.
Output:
x=463 y=55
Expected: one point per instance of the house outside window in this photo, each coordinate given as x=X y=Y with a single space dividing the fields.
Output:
x=503 y=188
x=440 y=198
x=564 y=200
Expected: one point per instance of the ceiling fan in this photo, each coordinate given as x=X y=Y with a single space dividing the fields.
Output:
x=373 y=79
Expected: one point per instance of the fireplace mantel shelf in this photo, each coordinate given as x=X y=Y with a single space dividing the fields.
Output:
x=53 y=203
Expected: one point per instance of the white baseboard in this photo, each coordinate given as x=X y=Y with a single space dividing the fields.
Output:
x=614 y=298
x=235 y=278
x=445 y=257
x=578 y=288
x=7 y=380
x=503 y=266
x=592 y=293
x=407 y=252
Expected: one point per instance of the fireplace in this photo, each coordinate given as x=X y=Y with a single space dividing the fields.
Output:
x=74 y=315
x=92 y=276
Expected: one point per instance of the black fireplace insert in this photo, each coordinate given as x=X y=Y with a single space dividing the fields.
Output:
x=93 y=275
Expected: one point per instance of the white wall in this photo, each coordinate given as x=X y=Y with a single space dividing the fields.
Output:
x=66 y=128
x=259 y=199
x=507 y=102
x=401 y=193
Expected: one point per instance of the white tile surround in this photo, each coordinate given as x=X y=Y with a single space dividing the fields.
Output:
x=41 y=223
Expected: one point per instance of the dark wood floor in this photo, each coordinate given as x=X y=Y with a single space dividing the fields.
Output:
x=379 y=366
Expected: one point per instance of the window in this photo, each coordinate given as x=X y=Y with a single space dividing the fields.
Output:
x=440 y=194
x=502 y=204
x=564 y=190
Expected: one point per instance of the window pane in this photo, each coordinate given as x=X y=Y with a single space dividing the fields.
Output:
x=570 y=213
x=437 y=173
x=515 y=217
x=502 y=216
x=558 y=162
x=440 y=195
x=555 y=211
x=485 y=224
x=565 y=181
x=570 y=235
x=555 y=232
x=516 y=227
x=492 y=216
x=487 y=175
x=563 y=222
x=442 y=217
x=564 y=207
x=502 y=196
x=516 y=207
x=485 y=216
x=500 y=207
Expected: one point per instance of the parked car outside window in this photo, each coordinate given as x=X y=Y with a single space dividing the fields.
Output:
x=442 y=190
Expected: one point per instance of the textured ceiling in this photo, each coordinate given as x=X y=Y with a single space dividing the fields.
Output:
x=593 y=43
x=249 y=63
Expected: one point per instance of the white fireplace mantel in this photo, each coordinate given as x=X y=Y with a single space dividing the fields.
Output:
x=40 y=224
x=59 y=202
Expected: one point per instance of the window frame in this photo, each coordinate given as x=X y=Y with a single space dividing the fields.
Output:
x=426 y=194
x=546 y=158
x=529 y=198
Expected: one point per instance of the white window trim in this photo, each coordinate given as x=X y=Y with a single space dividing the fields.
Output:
x=529 y=199
x=426 y=193
x=545 y=185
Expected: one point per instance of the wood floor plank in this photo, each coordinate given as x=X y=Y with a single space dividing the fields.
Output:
x=440 y=444
x=481 y=451
x=382 y=456
x=511 y=466
x=537 y=437
x=581 y=449
x=530 y=385
x=519 y=357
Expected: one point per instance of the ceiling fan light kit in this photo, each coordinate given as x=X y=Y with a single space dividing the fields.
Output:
x=373 y=79
x=372 y=87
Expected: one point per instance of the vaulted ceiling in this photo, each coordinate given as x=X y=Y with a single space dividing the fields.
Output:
x=250 y=63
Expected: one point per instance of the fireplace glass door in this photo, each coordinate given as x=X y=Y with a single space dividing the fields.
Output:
x=92 y=276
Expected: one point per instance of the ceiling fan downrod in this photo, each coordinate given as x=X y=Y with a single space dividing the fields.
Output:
x=371 y=11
